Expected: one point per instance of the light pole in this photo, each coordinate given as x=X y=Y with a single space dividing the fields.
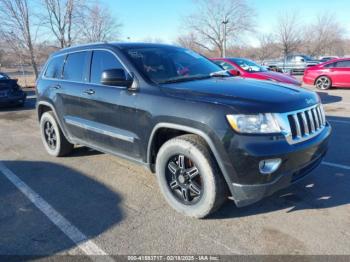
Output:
x=225 y=22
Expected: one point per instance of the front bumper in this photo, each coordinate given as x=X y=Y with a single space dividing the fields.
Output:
x=299 y=161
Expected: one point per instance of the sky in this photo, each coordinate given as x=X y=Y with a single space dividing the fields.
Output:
x=162 y=19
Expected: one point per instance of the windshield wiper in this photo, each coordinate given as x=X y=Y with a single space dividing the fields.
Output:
x=222 y=73
x=183 y=79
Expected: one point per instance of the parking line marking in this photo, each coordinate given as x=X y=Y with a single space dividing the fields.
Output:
x=336 y=165
x=339 y=121
x=81 y=240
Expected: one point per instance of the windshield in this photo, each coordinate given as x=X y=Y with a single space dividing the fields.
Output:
x=166 y=64
x=248 y=65
x=307 y=58
x=3 y=76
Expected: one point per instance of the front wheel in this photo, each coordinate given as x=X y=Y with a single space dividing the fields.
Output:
x=323 y=83
x=53 y=139
x=189 y=178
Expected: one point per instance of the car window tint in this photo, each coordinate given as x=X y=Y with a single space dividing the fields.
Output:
x=3 y=76
x=101 y=61
x=224 y=65
x=54 y=69
x=345 y=63
x=331 y=65
x=75 y=65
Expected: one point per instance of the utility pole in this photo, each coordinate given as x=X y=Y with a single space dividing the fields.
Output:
x=225 y=22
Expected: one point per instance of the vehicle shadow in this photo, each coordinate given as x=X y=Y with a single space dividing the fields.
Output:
x=87 y=204
x=84 y=151
x=326 y=187
x=320 y=190
x=329 y=99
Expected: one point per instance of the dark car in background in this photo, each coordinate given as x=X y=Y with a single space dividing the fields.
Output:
x=208 y=136
x=11 y=93
x=249 y=69
x=334 y=73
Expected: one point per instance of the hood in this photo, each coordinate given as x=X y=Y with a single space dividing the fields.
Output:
x=245 y=95
x=279 y=77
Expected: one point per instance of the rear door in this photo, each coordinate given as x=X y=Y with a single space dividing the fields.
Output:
x=341 y=74
x=70 y=89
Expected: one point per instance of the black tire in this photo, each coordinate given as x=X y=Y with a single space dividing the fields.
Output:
x=323 y=83
x=209 y=181
x=53 y=139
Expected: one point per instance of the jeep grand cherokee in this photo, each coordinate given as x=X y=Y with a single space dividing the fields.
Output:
x=208 y=136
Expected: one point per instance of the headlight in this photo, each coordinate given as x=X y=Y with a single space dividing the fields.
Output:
x=254 y=124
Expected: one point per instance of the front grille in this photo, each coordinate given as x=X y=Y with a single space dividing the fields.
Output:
x=307 y=123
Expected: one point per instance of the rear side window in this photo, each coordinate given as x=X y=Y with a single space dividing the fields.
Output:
x=74 y=68
x=101 y=61
x=331 y=65
x=343 y=63
x=54 y=69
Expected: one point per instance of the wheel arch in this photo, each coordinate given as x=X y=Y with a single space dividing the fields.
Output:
x=42 y=107
x=187 y=130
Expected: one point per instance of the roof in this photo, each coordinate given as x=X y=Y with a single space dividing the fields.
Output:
x=120 y=45
x=337 y=60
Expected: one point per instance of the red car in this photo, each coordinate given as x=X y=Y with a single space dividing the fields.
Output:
x=247 y=68
x=333 y=73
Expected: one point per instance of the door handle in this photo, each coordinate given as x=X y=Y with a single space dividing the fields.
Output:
x=89 y=92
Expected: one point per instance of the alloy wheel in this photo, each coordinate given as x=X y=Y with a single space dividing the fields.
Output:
x=184 y=180
x=323 y=83
x=50 y=135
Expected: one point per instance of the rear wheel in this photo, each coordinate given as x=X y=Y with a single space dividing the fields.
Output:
x=53 y=139
x=323 y=83
x=189 y=178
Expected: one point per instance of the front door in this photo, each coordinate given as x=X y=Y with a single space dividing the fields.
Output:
x=341 y=74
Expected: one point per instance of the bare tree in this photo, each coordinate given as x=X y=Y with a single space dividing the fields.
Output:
x=60 y=17
x=267 y=48
x=99 y=25
x=288 y=33
x=16 y=29
x=324 y=36
x=189 y=41
x=207 y=23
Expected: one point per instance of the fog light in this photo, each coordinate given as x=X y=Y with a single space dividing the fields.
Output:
x=269 y=166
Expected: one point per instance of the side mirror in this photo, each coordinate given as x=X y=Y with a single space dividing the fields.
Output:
x=116 y=77
x=234 y=72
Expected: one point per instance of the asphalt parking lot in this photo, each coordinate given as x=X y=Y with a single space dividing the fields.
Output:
x=110 y=206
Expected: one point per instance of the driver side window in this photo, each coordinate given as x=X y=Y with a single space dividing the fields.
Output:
x=101 y=61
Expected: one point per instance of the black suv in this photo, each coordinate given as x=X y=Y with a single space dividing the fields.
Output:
x=207 y=135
